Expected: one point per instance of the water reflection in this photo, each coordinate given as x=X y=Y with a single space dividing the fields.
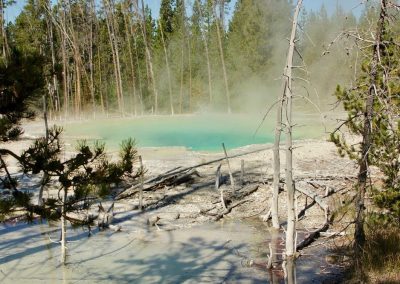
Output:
x=208 y=253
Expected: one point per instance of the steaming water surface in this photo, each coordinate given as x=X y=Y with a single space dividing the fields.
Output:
x=195 y=132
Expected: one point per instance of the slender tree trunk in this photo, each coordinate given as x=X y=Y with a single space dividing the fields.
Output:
x=92 y=22
x=45 y=174
x=139 y=77
x=115 y=54
x=3 y=35
x=64 y=65
x=359 y=234
x=168 y=68
x=129 y=35
x=64 y=228
x=190 y=72
x=57 y=105
x=182 y=76
x=103 y=110
x=210 y=96
x=291 y=212
x=222 y=57
x=149 y=59
x=135 y=11
x=222 y=13
x=289 y=267
x=277 y=162
x=78 y=65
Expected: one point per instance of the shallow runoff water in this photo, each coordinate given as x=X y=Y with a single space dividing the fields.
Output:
x=209 y=253
x=204 y=132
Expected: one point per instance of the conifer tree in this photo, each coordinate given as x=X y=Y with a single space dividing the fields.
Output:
x=373 y=108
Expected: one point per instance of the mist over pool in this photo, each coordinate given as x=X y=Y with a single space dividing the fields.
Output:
x=203 y=132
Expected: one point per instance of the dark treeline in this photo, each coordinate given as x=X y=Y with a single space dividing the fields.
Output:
x=111 y=57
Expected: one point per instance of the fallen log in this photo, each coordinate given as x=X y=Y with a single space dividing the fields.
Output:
x=311 y=237
x=181 y=170
x=168 y=181
x=238 y=195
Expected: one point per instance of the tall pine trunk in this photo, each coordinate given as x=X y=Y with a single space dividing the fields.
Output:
x=359 y=234
x=222 y=57
x=115 y=53
x=149 y=58
x=168 y=68
x=204 y=39
x=3 y=35
x=129 y=36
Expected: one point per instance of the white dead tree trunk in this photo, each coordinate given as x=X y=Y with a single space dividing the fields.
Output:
x=291 y=214
x=64 y=228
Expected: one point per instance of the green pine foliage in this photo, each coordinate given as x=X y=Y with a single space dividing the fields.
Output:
x=87 y=176
x=21 y=83
x=253 y=38
x=385 y=128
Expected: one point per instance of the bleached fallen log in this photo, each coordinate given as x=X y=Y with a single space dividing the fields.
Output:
x=312 y=236
x=174 y=180
x=181 y=170
x=237 y=196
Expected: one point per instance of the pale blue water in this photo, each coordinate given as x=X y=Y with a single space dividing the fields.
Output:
x=195 y=132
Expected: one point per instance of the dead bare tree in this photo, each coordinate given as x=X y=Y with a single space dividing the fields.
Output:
x=291 y=214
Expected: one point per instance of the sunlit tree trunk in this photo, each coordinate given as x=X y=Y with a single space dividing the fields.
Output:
x=190 y=72
x=129 y=35
x=277 y=162
x=138 y=75
x=291 y=212
x=92 y=24
x=149 y=58
x=64 y=228
x=204 y=39
x=168 y=68
x=115 y=53
x=222 y=57
x=65 y=65
x=103 y=109
x=57 y=103
x=182 y=76
x=78 y=65
x=3 y=36
x=359 y=234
